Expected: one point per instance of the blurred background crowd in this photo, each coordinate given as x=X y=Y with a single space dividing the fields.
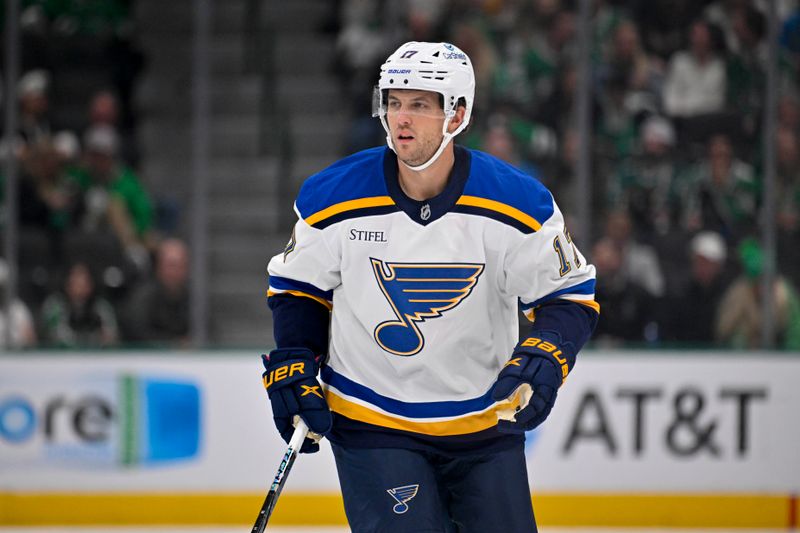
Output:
x=677 y=106
x=99 y=262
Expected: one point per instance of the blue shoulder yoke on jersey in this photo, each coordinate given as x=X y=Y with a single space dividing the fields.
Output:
x=364 y=184
x=500 y=191
x=351 y=187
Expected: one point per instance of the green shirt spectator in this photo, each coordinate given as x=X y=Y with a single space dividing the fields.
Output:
x=126 y=186
x=113 y=197
x=76 y=316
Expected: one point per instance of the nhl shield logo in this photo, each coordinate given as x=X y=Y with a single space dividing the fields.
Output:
x=402 y=495
x=425 y=212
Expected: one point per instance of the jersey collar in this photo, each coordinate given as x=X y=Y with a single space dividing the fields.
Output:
x=426 y=211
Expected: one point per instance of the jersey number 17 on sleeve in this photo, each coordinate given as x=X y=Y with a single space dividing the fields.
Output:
x=564 y=265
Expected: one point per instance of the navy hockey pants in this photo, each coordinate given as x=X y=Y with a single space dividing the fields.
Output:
x=390 y=490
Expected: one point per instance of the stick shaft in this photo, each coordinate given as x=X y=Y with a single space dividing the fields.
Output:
x=299 y=435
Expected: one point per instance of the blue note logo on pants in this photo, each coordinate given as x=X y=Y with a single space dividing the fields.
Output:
x=403 y=495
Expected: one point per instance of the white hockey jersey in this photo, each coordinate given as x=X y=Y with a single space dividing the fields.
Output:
x=425 y=294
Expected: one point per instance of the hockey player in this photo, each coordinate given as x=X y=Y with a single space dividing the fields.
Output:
x=395 y=310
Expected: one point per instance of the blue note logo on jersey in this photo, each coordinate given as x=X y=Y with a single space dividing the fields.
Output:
x=402 y=495
x=417 y=292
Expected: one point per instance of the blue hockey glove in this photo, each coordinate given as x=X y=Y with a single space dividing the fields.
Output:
x=291 y=382
x=530 y=379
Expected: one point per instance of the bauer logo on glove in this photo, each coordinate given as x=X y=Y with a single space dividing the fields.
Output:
x=291 y=382
x=529 y=384
x=283 y=372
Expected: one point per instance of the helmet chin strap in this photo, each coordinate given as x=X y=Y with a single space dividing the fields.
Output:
x=446 y=138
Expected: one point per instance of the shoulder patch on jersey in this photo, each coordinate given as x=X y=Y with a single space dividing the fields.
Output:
x=502 y=192
x=351 y=187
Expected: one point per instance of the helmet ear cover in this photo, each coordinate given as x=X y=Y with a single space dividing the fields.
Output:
x=462 y=102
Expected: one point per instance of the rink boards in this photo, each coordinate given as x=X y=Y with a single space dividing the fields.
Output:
x=640 y=439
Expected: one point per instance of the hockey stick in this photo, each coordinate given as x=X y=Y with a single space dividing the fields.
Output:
x=281 y=476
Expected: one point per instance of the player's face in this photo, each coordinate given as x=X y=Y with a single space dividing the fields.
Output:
x=415 y=122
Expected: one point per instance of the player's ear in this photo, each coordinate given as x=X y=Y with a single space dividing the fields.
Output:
x=456 y=121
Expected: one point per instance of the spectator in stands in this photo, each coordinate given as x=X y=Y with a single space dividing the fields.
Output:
x=662 y=23
x=790 y=41
x=361 y=46
x=425 y=18
x=472 y=38
x=528 y=72
x=34 y=106
x=558 y=110
x=787 y=154
x=68 y=148
x=787 y=197
x=114 y=197
x=639 y=261
x=643 y=184
x=49 y=200
x=607 y=15
x=740 y=319
x=642 y=75
x=789 y=111
x=695 y=80
x=158 y=310
x=722 y=14
x=628 y=308
x=76 y=316
x=499 y=142
x=553 y=47
x=689 y=315
x=104 y=110
x=361 y=41
x=720 y=193
x=617 y=128
x=630 y=86
x=747 y=66
x=20 y=330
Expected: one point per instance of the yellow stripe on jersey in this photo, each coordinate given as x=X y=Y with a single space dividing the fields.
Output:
x=458 y=426
x=513 y=212
x=350 y=205
x=530 y=314
x=588 y=303
x=323 y=301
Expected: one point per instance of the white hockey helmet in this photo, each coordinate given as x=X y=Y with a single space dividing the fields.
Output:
x=438 y=67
